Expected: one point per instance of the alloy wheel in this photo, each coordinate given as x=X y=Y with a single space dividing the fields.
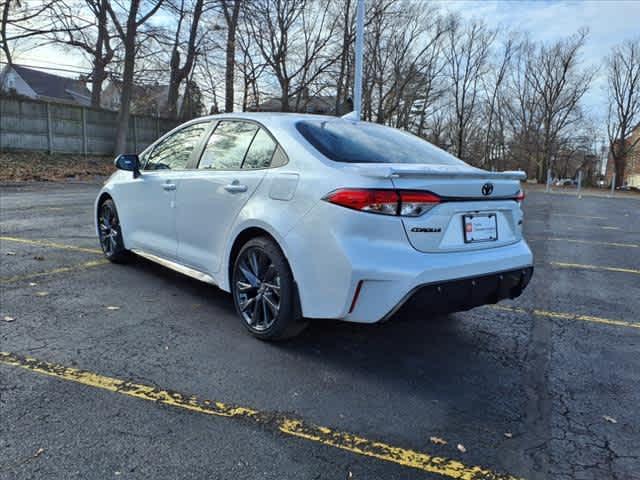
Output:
x=257 y=289
x=109 y=229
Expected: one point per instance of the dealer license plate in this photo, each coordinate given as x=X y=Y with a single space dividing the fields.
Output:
x=480 y=227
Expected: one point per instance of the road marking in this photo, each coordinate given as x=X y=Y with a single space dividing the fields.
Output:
x=594 y=267
x=577 y=216
x=289 y=426
x=604 y=227
x=578 y=240
x=567 y=316
x=47 y=243
x=72 y=268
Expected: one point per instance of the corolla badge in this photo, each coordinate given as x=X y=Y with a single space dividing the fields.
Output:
x=487 y=189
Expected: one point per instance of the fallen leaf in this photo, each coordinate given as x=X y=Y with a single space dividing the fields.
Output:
x=11 y=253
x=42 y=294
x=609 y=419
x=508 y=434
x=38 y=257
x=113 y=307
x=461 y=448
x=437 y=441
x=9 y=319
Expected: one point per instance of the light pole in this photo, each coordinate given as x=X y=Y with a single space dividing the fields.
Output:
x=357 y=88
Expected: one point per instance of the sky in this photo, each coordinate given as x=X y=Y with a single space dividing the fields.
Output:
x=610 y=22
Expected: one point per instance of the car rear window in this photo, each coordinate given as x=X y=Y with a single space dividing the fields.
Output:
x=362 y=142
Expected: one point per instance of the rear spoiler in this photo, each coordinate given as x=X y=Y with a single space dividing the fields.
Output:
x=439 y=171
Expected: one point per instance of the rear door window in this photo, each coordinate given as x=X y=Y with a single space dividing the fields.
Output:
x=227 y=145
x=261 y=151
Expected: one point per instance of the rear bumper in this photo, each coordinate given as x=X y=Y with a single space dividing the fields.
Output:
x=466 y=293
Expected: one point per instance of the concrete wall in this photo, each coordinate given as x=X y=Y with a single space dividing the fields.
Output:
x=58 y=128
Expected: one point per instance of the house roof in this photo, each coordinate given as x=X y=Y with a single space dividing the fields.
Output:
x=54 y=86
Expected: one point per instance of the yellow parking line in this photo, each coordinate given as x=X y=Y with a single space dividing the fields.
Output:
x=47 y=243
x=72 y=268
x=579 y=240
x=288 y=426
x=578 y=216
x=567 y=316
x=594 y=267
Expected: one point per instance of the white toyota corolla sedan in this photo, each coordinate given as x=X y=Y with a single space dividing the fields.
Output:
x=304 y=216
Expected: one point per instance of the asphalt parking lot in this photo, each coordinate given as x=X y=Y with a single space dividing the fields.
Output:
x=133 y=371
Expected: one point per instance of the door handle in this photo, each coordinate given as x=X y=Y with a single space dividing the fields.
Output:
x=169 y=186
x=235 y=188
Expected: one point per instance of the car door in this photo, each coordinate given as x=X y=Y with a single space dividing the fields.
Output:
x=150 y=198
x=208 y=200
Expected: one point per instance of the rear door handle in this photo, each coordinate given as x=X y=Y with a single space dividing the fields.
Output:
x=235 y=188
x=169 y=186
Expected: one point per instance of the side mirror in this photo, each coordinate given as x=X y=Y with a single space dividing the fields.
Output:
x=129 y=162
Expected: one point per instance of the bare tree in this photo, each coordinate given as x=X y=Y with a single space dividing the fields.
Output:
x=493 y=103
x=231 y=10
x=128 y=35
x=90 y=33
x=20 y=22
x=623 y=71
x=467 y=54
x=178 y=72
x=293 y=37
x=556 y=78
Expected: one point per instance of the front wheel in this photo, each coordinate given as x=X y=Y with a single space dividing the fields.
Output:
x=110 y=233
x=264 y=291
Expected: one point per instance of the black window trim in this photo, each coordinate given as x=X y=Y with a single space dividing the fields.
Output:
x=238 y=119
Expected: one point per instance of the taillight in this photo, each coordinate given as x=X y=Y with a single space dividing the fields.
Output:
x=414 y=204
x=520 y=196
x=386 y=202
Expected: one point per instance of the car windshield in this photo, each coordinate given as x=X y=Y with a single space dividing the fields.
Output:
x=362 y=142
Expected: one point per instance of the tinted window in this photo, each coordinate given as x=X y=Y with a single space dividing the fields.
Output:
x=227 y=145
x=260 y=152
x=173 y=152
x=361 y=142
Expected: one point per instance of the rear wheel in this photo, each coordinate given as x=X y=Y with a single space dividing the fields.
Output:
x=110 y=233
x=264 y=291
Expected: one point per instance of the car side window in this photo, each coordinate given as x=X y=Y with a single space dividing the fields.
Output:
x=260 y=152
x=228 y=145
x=173 y=152
x=279 y=158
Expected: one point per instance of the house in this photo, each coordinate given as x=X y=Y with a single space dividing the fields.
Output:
x=632 y=169
x=319 y=104
x=32 y=83
x=145 y=99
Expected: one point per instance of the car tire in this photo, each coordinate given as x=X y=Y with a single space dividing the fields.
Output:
x=110 y=233
x=264 y=291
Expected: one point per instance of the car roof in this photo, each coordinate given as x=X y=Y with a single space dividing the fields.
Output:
x=270 y=119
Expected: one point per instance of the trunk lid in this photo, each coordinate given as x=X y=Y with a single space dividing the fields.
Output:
x=485 y=200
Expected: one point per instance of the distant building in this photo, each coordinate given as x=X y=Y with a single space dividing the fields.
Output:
x=31 y=83
x=318 y=104
x=632 y=169
x=145 y=99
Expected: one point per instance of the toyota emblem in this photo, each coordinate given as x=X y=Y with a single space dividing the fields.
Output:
x=487 y=189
